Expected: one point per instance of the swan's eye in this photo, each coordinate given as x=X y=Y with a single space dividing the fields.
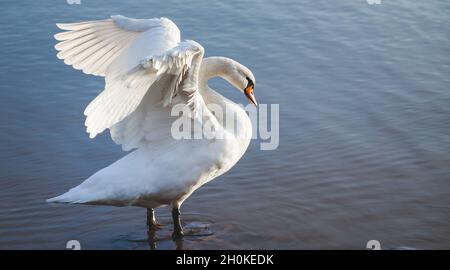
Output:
x=250 y=84
x=249 y=81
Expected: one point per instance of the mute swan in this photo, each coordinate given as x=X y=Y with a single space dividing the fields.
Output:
x=148 y=71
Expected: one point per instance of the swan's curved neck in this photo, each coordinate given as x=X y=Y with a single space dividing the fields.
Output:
x=214 y=67
x=223 y=67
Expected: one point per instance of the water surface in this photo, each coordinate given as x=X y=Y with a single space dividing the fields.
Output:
x=364 y=127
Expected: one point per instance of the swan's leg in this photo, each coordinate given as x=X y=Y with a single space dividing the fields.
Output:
x=177 y=229
x=151 y=220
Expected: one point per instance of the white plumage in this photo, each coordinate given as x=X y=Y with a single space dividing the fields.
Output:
x=148 y=70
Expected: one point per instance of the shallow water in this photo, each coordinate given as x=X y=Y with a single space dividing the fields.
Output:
x=364 y=127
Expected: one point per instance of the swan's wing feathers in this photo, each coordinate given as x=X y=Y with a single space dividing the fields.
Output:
x=178 y=61
x=92 y=46
x=123 y=94
x=120 y=98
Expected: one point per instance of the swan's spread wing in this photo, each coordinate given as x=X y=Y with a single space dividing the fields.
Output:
x=125 y=88
x=134 y=56
x=93 y=45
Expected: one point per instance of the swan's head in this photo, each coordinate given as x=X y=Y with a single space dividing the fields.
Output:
x=233 y=72
x=242 y=78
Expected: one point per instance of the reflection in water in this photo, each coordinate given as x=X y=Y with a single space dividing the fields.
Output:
x=194 y=231
x=179 y=244
x=151 y=239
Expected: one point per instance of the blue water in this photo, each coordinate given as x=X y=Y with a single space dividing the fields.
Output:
x=364 y=127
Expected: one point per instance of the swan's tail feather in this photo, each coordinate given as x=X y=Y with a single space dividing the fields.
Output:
x=79 y=195
x=71 y=197
x=59 y=199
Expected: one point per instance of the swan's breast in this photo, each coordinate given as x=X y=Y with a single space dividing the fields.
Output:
x=229 y=150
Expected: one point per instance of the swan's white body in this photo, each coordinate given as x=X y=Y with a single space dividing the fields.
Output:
x=148 y=70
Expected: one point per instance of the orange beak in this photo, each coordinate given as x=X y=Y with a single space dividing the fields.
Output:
x=249 y=94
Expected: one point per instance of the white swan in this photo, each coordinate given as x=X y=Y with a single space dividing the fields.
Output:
x=147 y=71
